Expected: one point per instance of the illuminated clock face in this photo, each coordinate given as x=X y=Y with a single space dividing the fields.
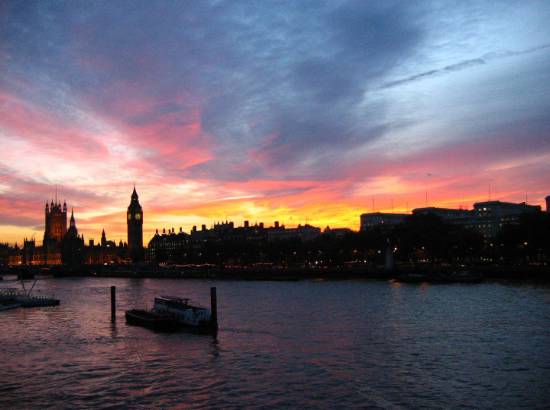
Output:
x=138 y=217
x=129 y=216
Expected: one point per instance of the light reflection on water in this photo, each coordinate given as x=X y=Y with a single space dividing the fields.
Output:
x=283 y=344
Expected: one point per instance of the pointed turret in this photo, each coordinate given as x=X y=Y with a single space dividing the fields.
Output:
x=72 y=246
x=72 y=232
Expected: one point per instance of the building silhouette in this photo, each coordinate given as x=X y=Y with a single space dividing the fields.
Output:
x=488 y=218
x=463 y=217
x=229 y=244
x=55 y=230
x=64 y=245
x=135 y=228
x=72 y=245
x=491 y=216
x=55 y=222
x=106 y=252
x=226 y=243
x=166 y=246
x=370 y=220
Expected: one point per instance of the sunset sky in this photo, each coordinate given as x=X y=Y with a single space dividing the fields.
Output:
x=298 y=111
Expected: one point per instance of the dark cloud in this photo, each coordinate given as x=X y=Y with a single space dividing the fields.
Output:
x=448 y=69
x=463 y=65
x=293 y=72
x=281 y=88
x=294 y=109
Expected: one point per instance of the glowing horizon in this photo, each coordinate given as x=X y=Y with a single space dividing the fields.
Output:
x=296 y=113
x=339 y=215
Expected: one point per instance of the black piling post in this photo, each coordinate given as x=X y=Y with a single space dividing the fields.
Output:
x=214 y=309
x=113 y=304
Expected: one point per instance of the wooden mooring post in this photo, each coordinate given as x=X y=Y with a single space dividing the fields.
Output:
x=113 y=304
x=214 y=309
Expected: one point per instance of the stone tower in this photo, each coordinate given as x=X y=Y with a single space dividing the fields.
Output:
x=56 y=223
x=135 y=228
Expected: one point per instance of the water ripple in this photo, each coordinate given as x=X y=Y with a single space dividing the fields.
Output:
x=283 y=345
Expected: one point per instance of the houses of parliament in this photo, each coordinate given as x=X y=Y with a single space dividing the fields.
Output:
x=62 y=245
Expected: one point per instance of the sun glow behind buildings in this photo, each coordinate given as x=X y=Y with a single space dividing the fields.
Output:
x=250 y=126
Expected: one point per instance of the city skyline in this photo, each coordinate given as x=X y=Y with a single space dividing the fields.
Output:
x=149 y=233
x=316 y=113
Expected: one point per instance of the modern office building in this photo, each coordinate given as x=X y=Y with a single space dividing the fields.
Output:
x=488 y=217
x=371 y=220
x=462 y=217
x=492 y=216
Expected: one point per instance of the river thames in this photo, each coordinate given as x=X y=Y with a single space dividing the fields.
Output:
x=305 y=344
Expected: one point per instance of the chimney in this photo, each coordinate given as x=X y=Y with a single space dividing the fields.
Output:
x=276 y=224
x=246 y=224
x=203 y=227
x=548 y=203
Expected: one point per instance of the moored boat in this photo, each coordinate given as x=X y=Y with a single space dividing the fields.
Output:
x=24 y=299
x=187 y=316
x=171 y=313
x=151 y=320
x=7 y=305
x=37 y=301
x=8 y=299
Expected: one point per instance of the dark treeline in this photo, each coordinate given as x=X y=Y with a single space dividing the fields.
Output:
x=421 y=239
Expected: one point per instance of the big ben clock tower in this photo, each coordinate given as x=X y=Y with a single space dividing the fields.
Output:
x=135 y=228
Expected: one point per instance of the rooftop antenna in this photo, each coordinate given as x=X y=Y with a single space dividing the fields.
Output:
x=426 y=199
x=56 y=193
x=372 y=199
x=489 y=192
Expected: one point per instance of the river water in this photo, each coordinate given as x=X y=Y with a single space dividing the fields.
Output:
x=306 y=344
